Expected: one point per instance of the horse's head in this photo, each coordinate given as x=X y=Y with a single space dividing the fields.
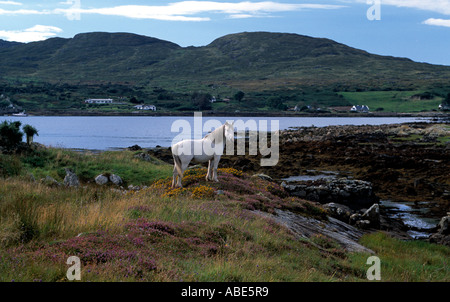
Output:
x=229 y=131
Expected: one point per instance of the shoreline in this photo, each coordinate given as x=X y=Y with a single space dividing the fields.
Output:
x=436 y=115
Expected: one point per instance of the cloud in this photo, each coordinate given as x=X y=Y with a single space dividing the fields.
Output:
x=194 y=10
x=22 y=12
x=437 y=22
x=35 y=33
x=10 y=3
x=438 y=6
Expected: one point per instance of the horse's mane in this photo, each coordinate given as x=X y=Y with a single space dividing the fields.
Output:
x=213 y=135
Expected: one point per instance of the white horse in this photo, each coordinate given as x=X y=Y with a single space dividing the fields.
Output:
x=210 y=148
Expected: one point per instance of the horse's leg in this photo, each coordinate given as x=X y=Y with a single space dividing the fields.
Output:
x=216 y=164
x=174 y=178
x=209 y=175
x=183 y=167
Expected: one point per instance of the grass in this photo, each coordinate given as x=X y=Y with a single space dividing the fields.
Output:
x=392 y=101
x=408 y=261
x=52 y=162
x=164 y=234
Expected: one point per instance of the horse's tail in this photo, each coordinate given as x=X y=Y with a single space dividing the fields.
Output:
x=177 y=162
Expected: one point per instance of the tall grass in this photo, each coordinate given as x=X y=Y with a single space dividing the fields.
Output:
x=149 y=235
x=37 y=211
x=87 y=166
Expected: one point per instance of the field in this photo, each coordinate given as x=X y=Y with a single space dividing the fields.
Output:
x=202 y=232
x=392 y=101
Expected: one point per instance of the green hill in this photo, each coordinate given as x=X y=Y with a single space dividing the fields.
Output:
x=261 y=64
x=5 y=44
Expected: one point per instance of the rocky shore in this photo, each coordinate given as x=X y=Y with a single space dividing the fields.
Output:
x=405 y=163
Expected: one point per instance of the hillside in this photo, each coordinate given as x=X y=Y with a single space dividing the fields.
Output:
x=5 y=44
x=295 y=59
x=254 y=62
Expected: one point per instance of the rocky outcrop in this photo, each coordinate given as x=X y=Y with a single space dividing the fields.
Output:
x=71 y=179
x=352 y=193
x=366 y=219
x=345 y=235
x=115 y=179
x=103 y=179
x=443 y=234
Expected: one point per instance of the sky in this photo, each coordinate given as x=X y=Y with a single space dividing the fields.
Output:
x=415 y=29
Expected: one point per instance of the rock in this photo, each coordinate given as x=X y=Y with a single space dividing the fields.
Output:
x=50 y=181
x=31 y=177
x=372 y=215
x=353 y=193
x=263 y=176
x=115 y=179
x=143 y=156
x=134 y=148
x=71 y=179
x=363 y=224
x=220 y=192
x=345 y=235
x=101 y=179
x=440 y=239
x=443 y=225
x=354 y=218
x=338 y=211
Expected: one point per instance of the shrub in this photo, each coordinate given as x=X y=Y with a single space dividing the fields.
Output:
x=30 y=131
x=201 y=192
x=10 y=135
x=9 y=165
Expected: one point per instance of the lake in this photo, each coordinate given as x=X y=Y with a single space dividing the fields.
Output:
x=115 y=132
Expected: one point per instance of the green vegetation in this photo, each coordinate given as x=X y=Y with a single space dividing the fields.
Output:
x=10 y=135
x=409 y=261
x=162 y=234
x=253 y=72
x=394 y=101
x=30 y=132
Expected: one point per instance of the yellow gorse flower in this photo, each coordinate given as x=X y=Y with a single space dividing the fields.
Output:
x=233 y=171
x=201 y=192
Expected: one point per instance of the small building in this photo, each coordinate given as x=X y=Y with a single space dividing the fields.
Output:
x=145 y=107
x=98 y=101
x=360 y=108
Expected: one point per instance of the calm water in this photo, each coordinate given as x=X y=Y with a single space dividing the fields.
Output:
x=111 y=132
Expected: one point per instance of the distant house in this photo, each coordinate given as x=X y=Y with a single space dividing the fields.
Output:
x=360 y=108
x=213 y=100
x=98 y=101
x=145 y=107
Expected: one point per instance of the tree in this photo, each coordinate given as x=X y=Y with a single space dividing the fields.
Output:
x=30 y=132
x=134 y=100
x=276 y=103
x=202 y=101
x=447 y=100
x=10 y=135
x=239 y=96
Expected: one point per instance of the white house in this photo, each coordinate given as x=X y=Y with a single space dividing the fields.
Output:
x=145 y=107
x=360 y=108
x=98 y=101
